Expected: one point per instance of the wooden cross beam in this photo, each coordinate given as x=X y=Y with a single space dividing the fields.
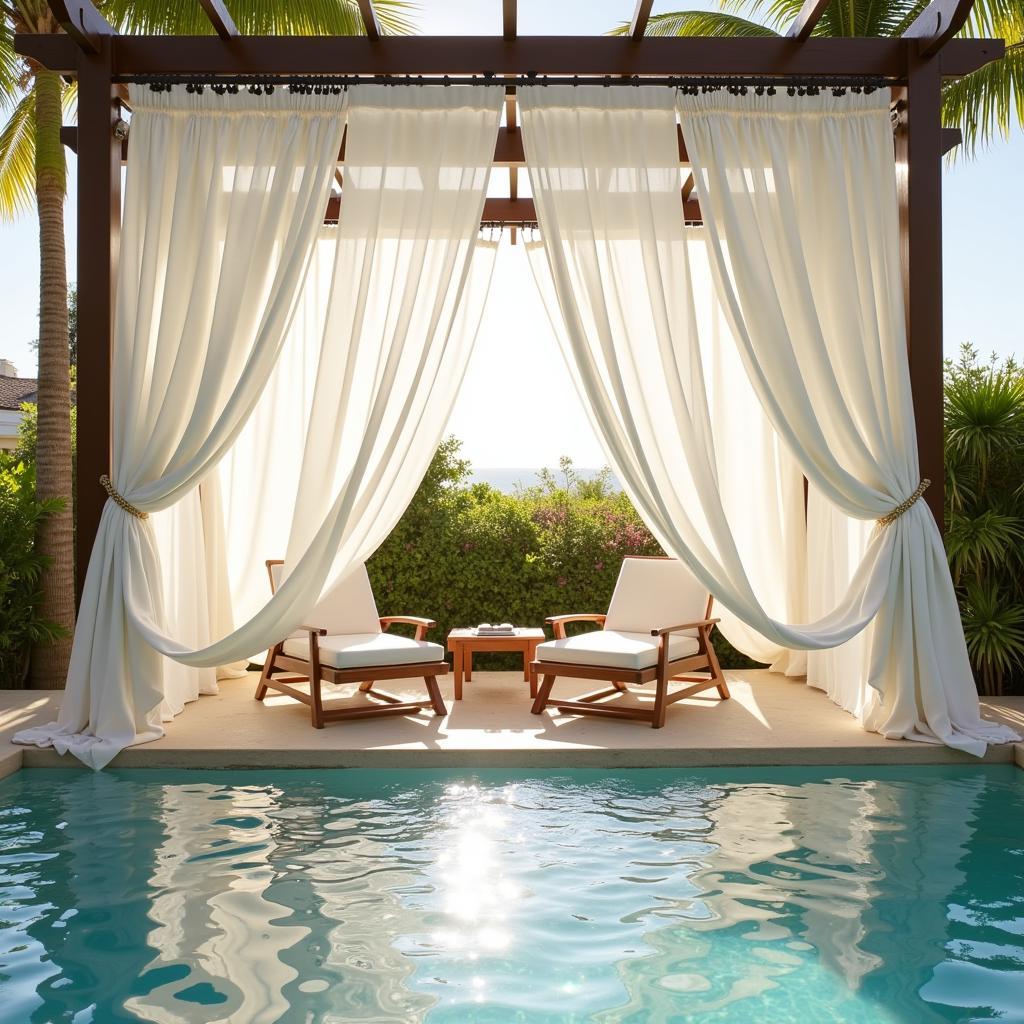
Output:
x=478 y=55
x=82 y=22
x=938 y=23
x=641 y=15
x=809 y=16
x=509 y=19
x=370 y=22
x=219 y=18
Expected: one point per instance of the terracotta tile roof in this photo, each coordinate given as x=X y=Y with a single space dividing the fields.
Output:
x=15 y=390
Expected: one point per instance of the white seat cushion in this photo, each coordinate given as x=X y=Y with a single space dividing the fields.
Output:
x=366 y=650
x=612 y=648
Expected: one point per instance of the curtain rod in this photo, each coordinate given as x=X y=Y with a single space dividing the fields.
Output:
x=319 y=84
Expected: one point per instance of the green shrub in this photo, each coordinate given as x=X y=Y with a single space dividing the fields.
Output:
x=984 y=445
x=466 y=553
x=21 y=568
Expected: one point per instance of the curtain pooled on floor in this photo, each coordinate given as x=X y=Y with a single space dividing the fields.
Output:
x=605 y=175
x=224 y=204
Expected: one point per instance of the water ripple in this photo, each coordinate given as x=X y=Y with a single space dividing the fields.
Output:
x=884 y=897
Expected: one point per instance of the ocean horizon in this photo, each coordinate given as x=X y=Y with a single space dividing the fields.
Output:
x=509 y=480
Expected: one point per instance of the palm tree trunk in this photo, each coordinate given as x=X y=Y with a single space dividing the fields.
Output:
x=53 y=452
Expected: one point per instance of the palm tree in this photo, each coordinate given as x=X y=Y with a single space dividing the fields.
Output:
x=982 y=104
x=33 y=103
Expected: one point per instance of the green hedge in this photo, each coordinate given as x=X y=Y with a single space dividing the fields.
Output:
x=466 y=553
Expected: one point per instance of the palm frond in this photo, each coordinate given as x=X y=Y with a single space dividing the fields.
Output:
x=10 y=65
x=17 y=159
x=260 y=17
x=69 y=102
x=701 y=23
x=985 y=104
x=998 y=19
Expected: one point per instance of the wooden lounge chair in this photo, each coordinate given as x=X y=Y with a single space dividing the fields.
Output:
x=349 y=643
x=658 y=628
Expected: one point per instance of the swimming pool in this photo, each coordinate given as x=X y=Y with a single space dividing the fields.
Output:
x=776 y=895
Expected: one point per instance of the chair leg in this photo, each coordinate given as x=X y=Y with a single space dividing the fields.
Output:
x=366 y=687
x=660 y=701
x=316 y=700
x=716 y=672
x=621 y=687
x=435 y=696
x=268 y=671
x=542 y=697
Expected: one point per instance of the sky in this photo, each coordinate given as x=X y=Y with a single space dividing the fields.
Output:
x=517 y=407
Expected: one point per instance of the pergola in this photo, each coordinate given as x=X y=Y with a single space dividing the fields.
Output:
x=102 y=60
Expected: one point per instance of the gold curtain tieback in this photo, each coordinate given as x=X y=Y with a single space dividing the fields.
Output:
x=904 y=506
x=121 y=500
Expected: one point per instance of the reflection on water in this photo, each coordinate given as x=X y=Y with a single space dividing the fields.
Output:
x=642 y=896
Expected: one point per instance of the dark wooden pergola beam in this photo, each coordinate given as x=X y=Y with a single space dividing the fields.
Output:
x=936 y=25
x=641 y=15
x=809 y=16
x=545 y=55
x=82 y=22
x=513 y=211
x=371 y=24
x=220 y=19
x=509 y=19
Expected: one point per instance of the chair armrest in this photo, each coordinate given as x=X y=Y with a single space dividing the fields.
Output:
x=421 y=624
x=665 y=630
x=558 y=622
x=313 y=630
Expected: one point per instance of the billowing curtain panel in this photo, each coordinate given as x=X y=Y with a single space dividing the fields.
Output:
x=605 y=177
x=761 y=487
x=266 y=458
x=799 y=199
x=604 y=170
x=223 y=199
x=224 y=203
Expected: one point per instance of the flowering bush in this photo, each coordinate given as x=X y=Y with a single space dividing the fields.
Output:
x=466 y=553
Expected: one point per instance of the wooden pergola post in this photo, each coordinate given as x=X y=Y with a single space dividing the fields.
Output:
x=914 y=65
x=919 y=148
x=99 y=229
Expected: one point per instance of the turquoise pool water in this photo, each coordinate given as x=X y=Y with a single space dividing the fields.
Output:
x=643 y=896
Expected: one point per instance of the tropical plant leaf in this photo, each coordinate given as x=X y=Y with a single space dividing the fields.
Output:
x=17 y=159
x=972 y=543
x=994 y=630
x=984 y=413
x=701 y=23
x=259 y=17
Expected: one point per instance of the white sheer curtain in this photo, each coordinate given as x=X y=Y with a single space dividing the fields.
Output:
x=224 y=203
x=799 y=199
x=764 y=502
x=265 y=459
x=605 y=177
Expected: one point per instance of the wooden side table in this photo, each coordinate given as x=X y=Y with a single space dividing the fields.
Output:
x=464 y=643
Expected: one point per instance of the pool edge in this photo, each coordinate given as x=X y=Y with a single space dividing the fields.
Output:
x=748 y=757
